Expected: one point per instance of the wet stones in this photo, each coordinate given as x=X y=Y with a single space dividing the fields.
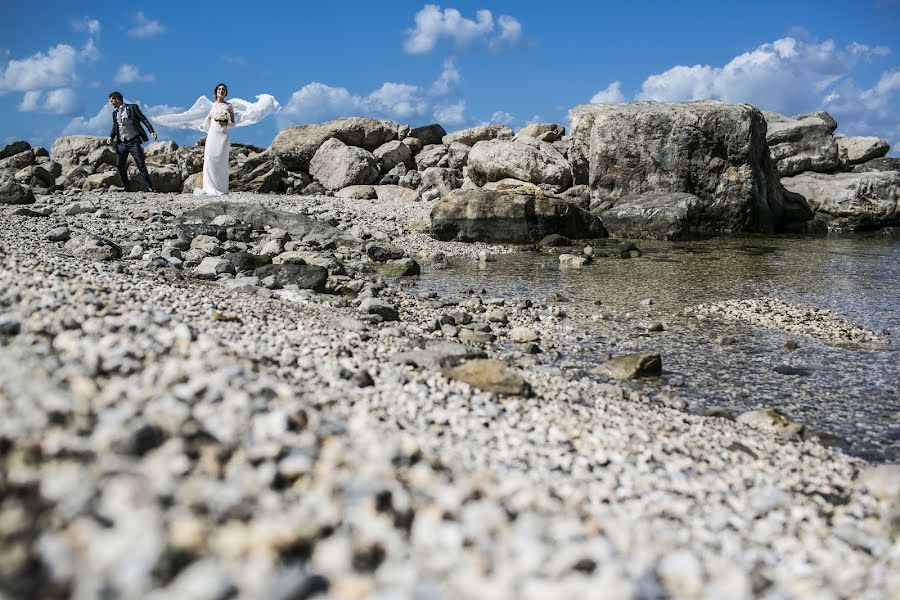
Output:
x=631 y=366
x=490 y=375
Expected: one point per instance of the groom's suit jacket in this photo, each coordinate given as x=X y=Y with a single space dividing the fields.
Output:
x=134 y=114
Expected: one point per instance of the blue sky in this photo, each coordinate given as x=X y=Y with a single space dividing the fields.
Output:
x=458 y=64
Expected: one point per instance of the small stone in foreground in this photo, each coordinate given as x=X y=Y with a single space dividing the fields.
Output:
x=631 y=366
x=404 y=267
x=491 y=375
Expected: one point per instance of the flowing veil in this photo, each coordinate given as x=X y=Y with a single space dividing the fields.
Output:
x=245 y=113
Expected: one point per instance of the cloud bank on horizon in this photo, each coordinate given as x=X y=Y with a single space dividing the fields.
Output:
x=789 y=75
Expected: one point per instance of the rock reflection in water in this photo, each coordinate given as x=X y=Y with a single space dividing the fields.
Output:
x=850 y=391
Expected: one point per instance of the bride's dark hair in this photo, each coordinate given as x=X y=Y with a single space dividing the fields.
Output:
x=218 y=85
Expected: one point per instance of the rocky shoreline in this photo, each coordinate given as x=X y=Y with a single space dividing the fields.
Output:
x=178 y=422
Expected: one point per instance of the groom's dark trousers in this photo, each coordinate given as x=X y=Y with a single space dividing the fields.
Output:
x=133 y=147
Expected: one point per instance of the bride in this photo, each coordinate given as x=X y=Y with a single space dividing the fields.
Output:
x=219 y=117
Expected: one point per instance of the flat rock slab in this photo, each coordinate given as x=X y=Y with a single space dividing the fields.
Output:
x=491 y=375
x=658 y=216
x=259 y=217
x=850 y=201
x=306 y=277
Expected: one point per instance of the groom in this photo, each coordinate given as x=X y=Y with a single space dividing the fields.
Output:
x=127 y=134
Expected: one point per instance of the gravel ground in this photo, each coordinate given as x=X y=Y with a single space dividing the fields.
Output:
x=168 y=436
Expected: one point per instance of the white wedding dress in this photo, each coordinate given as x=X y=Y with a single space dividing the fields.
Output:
x=202 y=116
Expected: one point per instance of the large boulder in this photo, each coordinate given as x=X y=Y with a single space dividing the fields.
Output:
x=545 y=132
x=428 y=134
x=35 y=176
x=164 y=178
x=478 y=134
x=716 y=151
x=435 y=156
x=802 y=143
x=505 y=217
x=395 y=193
x=75 y=148
x=296 y=146
x=160 y=148
x=262 y=172
x=104 y=180
x=337 y=165
x=851 y=201
x=13 y=192
x=440 y=179
x=654 y=216
x=17 y=147
x=17 y=161
x=104 y=155
x=391 y=154
x=854 y=150
x=527 y=159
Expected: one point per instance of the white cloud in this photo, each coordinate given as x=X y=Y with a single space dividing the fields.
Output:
x=131 y=74
x=448 y=79
x=63 y=101
x=145 y=27
x=451 y=114
x=40 y=71
x=610 y=95
x=235 y=60
x=792 y=76
x=30 y=101
x=434 y=25
x=501 y=117
x=92 y=26
x=317 y=101
x=89 y=53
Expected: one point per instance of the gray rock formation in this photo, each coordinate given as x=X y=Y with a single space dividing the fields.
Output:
x=802 y=143
x=488 y=216
x=526 y=159
x=392 y=153
x=545 y=132
x=14 y=148
x=296 y=146
x=13 y=192
x=716 y=151
x=878 y=164
x=337 y=165
x=478 y=134
x=435 y=156
x=853 y=150
x=75 y=149
x=850 y=201
x=428 y=134
x=654 y=216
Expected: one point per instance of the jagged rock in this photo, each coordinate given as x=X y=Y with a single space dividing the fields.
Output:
x=262 y=172
x=18 y=161
x=428 y=134
x=91 y=247
x=458 y=155
x=486 y=216
x=164 y=178
x=414 y=144
x=35 y=176
x=13 y=192
x=853 y=150
x=526 y=159
x=102 y=181
x=16 y=148
x=167 y=147
x=440 y=179
x=75 y=149
x=478 y=134
x=657 y=216
x=802 y=143
x=357 y=192
x=396 y=193
x=211 y=266
x=713 y=150
x=392 y=153
x=878 y=164
x=103 y=155
x=337 y=165
x=296 y=146
x=432 y=157
x=306 y=277
x=545 y=132
x=850 y=201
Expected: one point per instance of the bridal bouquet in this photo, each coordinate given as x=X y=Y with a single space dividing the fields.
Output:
x=221 y=118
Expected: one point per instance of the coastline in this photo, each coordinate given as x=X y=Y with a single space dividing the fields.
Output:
x=234 y=432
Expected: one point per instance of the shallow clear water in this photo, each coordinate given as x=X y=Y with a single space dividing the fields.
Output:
x=850 y=393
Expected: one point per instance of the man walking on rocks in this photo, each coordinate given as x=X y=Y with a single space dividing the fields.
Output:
x=128 y=134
